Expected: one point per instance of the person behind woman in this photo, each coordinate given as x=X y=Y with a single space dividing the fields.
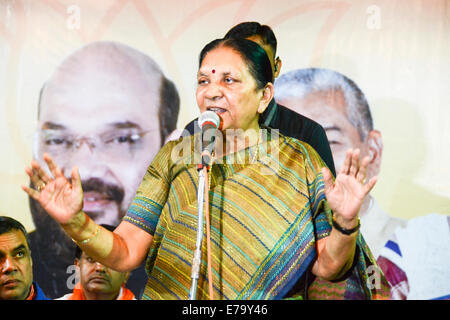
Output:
x=268 y=231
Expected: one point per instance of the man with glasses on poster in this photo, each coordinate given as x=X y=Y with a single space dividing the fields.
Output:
x=108 y=108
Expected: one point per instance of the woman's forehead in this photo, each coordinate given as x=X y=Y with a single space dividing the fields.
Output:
x=222 y=60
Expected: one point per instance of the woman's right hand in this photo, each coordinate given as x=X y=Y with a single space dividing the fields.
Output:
x=61 y=198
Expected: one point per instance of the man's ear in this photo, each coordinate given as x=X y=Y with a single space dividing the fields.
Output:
x=267 y=96
x=374 y=145
x=277 y=67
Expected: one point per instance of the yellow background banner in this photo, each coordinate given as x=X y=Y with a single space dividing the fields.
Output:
x=397 y=52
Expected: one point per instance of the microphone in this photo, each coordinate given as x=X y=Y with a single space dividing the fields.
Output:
x=209 y=122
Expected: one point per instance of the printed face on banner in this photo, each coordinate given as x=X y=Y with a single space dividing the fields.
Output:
x=105 y=121
x=328 y=108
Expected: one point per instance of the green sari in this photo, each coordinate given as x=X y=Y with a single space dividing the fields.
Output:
x=266 y=218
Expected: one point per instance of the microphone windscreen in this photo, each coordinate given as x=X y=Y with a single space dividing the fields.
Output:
x=209 y=117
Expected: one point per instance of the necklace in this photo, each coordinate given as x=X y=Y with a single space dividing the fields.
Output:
x=255 y=153
x=237 y=156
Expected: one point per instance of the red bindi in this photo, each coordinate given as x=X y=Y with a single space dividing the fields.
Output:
x=213 y=71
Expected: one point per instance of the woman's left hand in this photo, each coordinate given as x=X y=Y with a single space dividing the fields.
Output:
x=346 y=194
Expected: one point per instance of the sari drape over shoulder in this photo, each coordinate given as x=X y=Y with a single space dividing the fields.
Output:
x=266 y=218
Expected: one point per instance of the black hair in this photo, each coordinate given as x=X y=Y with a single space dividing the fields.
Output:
x=169 y=108
x=253 y=55
x=7 y=224
x=247 y=29
x=78 y=250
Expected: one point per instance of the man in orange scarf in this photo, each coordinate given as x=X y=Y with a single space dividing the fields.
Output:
x=98 y=282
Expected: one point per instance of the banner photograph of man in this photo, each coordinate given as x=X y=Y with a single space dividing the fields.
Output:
x=406 y=250
x=108 y=108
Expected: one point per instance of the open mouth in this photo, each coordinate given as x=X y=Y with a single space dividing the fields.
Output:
x=95 y=200
x=217 y=109
x=99 y=193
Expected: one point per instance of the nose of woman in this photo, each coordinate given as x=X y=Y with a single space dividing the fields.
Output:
x=213 y=91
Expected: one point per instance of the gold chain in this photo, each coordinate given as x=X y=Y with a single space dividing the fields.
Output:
x=255 y=155
x=254 y=158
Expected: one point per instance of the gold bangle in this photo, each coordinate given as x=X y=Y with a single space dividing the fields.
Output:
x=88 y=239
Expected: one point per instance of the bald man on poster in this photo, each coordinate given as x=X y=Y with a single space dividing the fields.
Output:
x=108 y=108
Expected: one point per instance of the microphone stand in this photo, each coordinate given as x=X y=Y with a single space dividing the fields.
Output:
x=196 y=262
x=210 y=122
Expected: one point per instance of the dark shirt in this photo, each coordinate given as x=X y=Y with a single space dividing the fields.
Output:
x=291 y=124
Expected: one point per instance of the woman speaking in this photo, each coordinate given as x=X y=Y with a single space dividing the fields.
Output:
x=276 y=223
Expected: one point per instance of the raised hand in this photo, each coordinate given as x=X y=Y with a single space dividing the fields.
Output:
x=346 y=194
x=61 y=198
